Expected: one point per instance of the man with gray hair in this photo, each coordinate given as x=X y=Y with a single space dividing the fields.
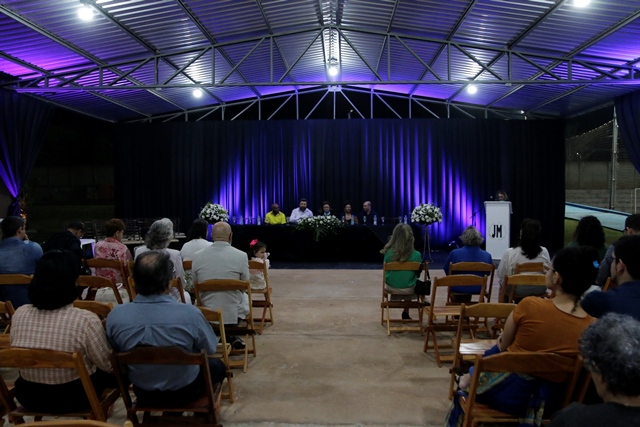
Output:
x=222 y=261
x=611 y=351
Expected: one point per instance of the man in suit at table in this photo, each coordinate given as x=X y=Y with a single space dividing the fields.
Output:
x=275 y=217
x=222 y=261
x=300 y=212
x=18 y=255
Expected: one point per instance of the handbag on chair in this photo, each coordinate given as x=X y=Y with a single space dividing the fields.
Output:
x=423 y=287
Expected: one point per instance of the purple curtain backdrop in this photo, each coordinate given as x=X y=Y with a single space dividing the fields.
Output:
x=628 y=116
x=173 y=169
x=23 y=125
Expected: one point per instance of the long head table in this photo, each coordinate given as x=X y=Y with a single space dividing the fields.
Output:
x=354 y=243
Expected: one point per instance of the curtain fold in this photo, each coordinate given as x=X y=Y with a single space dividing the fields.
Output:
x=23 y=126
x=173 y=169
x=628 y=116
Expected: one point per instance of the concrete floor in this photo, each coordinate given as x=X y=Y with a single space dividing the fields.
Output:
x=328 y=361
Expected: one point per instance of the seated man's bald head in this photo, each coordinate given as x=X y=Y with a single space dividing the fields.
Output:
x=221 y=232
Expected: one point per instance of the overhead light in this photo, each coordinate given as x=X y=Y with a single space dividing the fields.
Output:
x=472 y=89
x=197 y=93
x=85 y=13
x=581 y=3
x=333 y=70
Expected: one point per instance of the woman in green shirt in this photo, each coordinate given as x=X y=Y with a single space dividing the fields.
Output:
x=401 y=284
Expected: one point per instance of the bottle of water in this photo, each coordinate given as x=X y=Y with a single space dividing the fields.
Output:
x=259 y=221
x=364 y=218
x=375 y=220
x=240 y=220
x=404 y=219
x=343 y=219
x=351 y=219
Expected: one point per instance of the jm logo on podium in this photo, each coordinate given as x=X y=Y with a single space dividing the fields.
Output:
x=497 y=231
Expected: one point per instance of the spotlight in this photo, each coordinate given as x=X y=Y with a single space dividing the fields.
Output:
x=472 y=89
x=85 y=13
x=197 y=93
x=581 y=3
x=333 y=70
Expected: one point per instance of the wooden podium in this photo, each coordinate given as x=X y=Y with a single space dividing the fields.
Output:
x=498 y=227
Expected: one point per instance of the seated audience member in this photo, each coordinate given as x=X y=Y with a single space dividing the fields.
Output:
x=326 y=209
x=527 y=329
x=155 y=319
x=401 y=284
x=300 y=212
x=347 y=215
x=197 y=240
x=68 y=240
x=367 y=214
x=589 y=232
x=625 y=272
x=18 y=255
x=274 y=216
x=51 y=322
x=258 y=252
x=611 y=351
x=158 y=238
x=631 y=227
x=470 y=252
x=222 y=261
x=528 y=250
x=112 y=248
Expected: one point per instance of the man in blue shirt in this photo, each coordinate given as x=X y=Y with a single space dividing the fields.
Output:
x=155 y=319
x=625 y=272
x=18 y=255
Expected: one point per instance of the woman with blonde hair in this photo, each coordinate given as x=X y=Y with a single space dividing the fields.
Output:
x=401 y=284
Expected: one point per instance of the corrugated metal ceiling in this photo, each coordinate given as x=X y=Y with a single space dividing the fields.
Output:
x=141 y=59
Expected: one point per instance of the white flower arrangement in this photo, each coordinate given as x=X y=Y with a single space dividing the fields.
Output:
x=320 y=226
x=426 y=213
x=213 y=212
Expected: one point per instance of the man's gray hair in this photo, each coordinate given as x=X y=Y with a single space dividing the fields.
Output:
x=611 y=347
x=160 y=234
x=471 y=236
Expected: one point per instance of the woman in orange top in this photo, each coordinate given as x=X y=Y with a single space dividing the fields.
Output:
x=544 y=325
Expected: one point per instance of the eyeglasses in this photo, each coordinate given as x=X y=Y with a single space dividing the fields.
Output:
x=549 y=268
x=610 y=259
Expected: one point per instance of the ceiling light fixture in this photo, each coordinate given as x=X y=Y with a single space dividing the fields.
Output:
x=333 y=69
x=472 y=89
x=581 y=3
x=85 y=12
x=197 y=93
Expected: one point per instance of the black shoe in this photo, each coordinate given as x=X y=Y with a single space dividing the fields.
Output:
x=236 y=343
x=405 y=316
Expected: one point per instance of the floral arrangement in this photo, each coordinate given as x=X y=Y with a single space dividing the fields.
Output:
x=320 y=226
x=426 y=213
x=213 y=212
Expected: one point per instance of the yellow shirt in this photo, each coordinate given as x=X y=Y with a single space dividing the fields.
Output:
x=272 y=219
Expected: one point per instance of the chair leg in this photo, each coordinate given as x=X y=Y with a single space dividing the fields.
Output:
x=388 y=321
x=426 y=340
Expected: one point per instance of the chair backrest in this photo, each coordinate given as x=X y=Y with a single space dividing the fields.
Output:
x=15 y=279
x=472 y=267
x=102 y=309
x=6 y=313
x=130 y=267
x=26 y=358
x=215 y=318
x=114 y=264
x=531 y=279
x=529 y=267
x=608 y=285
x=99 y=282
x=221 y=285
x=132 y=287
x=176 y=282
x=160 y=356
x=563 y=367
x=458 y=280
x=401 y=266
x=262 y=266
x=487 y=310
x=187 y=265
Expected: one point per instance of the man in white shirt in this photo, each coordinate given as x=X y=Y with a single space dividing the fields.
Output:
x=300 y=212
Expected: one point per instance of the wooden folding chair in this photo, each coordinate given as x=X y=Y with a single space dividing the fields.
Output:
x=534 y=364
x=102 y=309
x=130 y=264
x=264 y=303
x=474 y=268
x=78 y=423
x=15 y=279
x=114 y=264
x=208 y=403
x=176 y=282
x=96 y=282
x=387 y=303
x=26 y=358
x=187 y=265
x=464 y=349
x=509 y=290
x=447 y=311
x=529 y=267
x=247 y=329
x=214 y=317
x=6 y=312
x=608 y=285
x=132 y=287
